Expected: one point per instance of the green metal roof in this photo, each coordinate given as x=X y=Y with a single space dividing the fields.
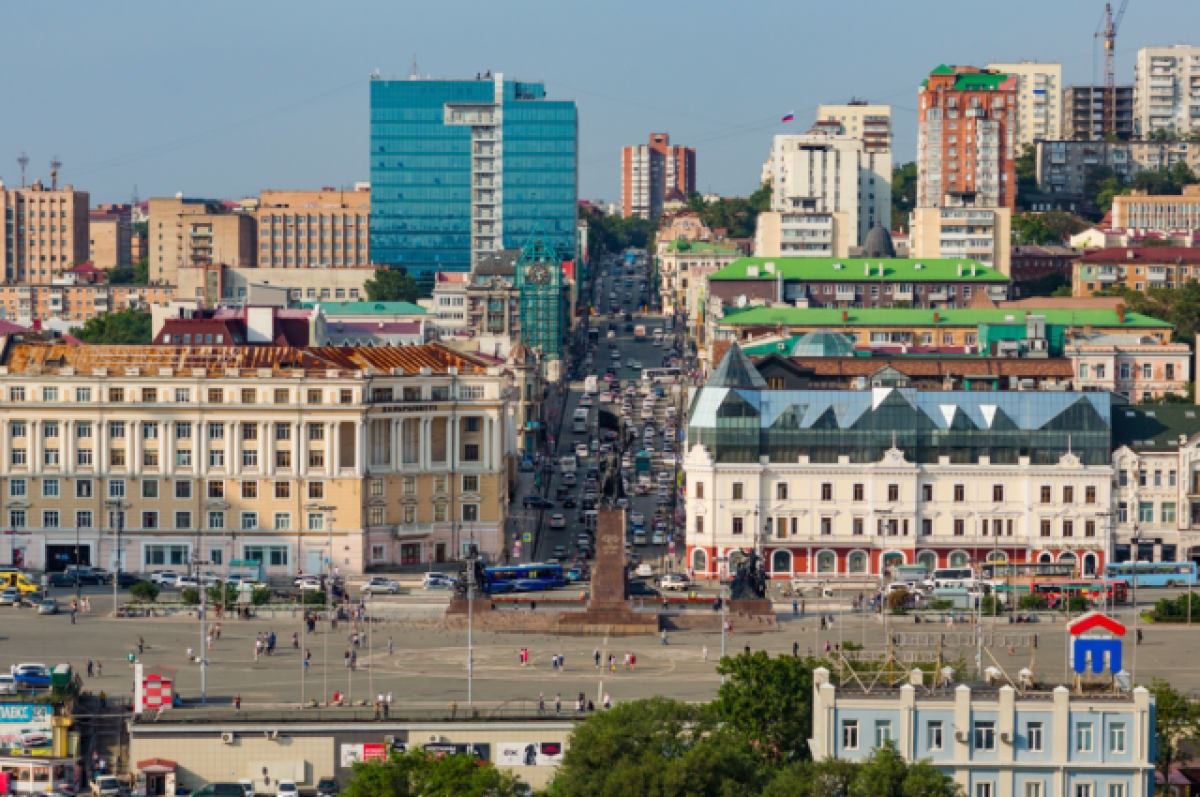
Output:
x=942 y=70
x=1156 y=426
x=902 y=317
x=368 y=308
x=976 y=80
x=822 y=269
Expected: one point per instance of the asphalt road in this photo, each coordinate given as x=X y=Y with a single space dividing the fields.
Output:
x=647 y=354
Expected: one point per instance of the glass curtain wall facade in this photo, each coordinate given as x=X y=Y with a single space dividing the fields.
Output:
x=464 y=168
x=741 y=425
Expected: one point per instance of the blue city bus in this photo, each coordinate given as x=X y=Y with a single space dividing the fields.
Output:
x=525 y=578
x=1153 y=574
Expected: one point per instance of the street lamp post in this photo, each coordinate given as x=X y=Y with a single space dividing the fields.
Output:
x=118 y=525
x=1135 y=544
x=328 y=510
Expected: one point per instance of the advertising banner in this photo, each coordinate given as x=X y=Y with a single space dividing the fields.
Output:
x=25 y=729
x=356 y=753
x=529 y=754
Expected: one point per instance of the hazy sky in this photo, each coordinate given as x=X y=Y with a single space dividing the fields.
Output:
x=224 y=99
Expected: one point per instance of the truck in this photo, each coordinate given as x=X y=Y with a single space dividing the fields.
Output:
x=639 y=333
x=591 y=384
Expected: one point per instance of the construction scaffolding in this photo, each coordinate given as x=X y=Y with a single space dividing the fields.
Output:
x=540 y=283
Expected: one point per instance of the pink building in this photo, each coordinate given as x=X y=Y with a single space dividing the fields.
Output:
x=1136 y=366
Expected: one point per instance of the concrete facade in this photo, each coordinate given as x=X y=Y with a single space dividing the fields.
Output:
x=1092 y=113
x=955 y=231
x=861 y=119
x=1039 y=100
x=1165 y=80
x=650 y=171
x=197 y=233
x=46 y=231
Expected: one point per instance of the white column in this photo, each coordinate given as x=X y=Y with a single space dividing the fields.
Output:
x=233 y=466
x=35 y=447
x=200 y=448
x=66 y=448
x=100 y=456
x=166 y=449
x=424 y=444
x=264 y=429
x=301 y=448
x=452 y=442
x=498 y=441
x=397 y=437
x=486 y=452
x=360 y=448
x=268 y=467
x=5 y=446
x=333 y=437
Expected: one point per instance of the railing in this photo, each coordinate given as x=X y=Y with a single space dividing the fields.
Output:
x=525 y=710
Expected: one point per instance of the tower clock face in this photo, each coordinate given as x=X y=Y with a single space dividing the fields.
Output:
x=538 y=274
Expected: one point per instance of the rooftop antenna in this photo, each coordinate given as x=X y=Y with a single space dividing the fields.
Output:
x=416 y=73
x=55 y=165
x=23 y=160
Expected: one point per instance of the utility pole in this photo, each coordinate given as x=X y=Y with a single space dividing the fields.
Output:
x=328 y=510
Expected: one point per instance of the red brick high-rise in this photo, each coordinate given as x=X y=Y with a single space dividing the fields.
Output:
x=966 y=152
x=649 y=171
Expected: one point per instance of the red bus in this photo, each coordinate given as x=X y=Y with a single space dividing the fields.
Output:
x=1099 y=592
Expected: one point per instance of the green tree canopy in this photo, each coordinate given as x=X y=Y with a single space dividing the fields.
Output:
x=392 y=285
x=904 y=194
x=1051 y=227
x=1176 y=725
x=137 y=274
x=1026 y=173
x=421 y=774
x=1179 y=306
x=128 y=327
x=768 y=702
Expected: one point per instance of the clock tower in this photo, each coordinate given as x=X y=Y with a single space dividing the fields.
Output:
x=540 y=284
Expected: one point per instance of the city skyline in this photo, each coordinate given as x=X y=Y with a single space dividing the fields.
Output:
x=168 y=102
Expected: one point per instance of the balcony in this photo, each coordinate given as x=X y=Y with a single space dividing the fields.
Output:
x=846 y=294
x=1109 y=277
x=407 y=531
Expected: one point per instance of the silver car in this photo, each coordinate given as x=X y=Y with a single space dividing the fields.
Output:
x=48 y=606
x=380 y=584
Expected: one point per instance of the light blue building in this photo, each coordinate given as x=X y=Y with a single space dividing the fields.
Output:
x=462 y=169
x=996 y=741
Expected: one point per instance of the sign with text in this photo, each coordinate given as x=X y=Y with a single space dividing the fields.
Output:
x=529 y=754
x=26 y=729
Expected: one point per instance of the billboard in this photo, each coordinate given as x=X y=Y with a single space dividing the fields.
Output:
x=529 y=754
x=358 y=753
x=26 y=729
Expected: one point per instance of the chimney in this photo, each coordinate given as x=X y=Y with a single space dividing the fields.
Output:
x=960 y=269
x=845 y=317
x=972 y=269
x=867 y=269
x=937 y=317
x=1129 y=254
x=1121 y=313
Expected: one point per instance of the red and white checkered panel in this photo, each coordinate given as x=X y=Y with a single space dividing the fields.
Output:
x=156 y=692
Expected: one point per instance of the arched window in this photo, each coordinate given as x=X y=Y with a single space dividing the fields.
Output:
x=1045 y=556
x=929 y=560
x=858 y=562
x=958 y=559
x=699 y=561
x=781 y=562
x=1068 y=557
x=826 y=562
x=997 y=556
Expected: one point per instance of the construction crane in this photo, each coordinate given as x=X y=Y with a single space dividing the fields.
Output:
x=1108 y=31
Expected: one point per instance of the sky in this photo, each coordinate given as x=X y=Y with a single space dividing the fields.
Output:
x=224 y=99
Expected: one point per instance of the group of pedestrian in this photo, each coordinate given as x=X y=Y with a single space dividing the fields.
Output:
x=351 y=658
x=383 y=705
x=264 y=643
x=94 y=669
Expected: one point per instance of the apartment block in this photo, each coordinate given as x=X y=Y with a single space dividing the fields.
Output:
x=1094 y=113
x=461 y=169
x=963 y=231
x=1135 y=367
x=1139 y=211
x=966 y=141
x=1039 y=99
x=650 y=171
x=110 y=231
x=1166 y=90
x=800 y=234
x=197 y=233
x=815 y=175
x=140 y=454
x=46 y=231
x=998 y=735
x=1138 y=269
x=684 y=268
x=861 y=119
x=1063 y=166
x=314 y=229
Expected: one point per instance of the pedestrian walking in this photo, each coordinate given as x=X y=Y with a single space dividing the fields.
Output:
x=346 y=658
x=795 y=649
x=596 y=656
x=141 y=646
x=307 y=658
x=664 y=636
x=557 y=703
x=389 y=646
x=562 y=662
x=237 y=703
x=632 y=661
x=209 y=639
x=795 y=609
x=295 y=641
x=387 y=707
x=99 y=669
x=353 y=660
x=705 y=652
x=89 y=668
x=822 y=622
x=607 y=702
x=541 y=703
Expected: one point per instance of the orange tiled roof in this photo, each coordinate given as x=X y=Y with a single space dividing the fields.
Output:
x=26 y=358
x=411 y=358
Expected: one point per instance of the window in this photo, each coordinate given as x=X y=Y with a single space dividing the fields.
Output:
x=314 y=397
x=116 y=430
x=781 y=491
x=1068 y=495
x=17 y=488
x=249 y=431
x=283 y=459
x=826 y=527
x=16 y=518
x=376 y=486
x=283 y=431
x=470 y=484
x=883 y=732
x=216 y=458
x=149 y=395
x=183 y=520
x=737 y=525
x=250 y=490
x=316 y=490
x=1116 y=737
x=269 y=555
x=857 y=492
x=216 y=395
x=983 y=789
x=1034 y=736
x=157 y=554
x=115 y=394
x=738 y=489
x=857 y=527
x=1089 y=494
x=1146 y=511
x=826 y=492
x=83 y=518
x=1168 y=512
x=985 y=735
x=83 y=488
x=83 y=394
x=960 y=493
x=50 y=488
x=150 y=488
x=934 y=735
x=927 y=492
x=1083 y=790
x=893 y=492
x=376 y=516
x=249 y=520
x=471 y=423
x=249 y=395
x=699 y=489
x=316 y=431
x=1083 y=737
x=183 y=395
x=470 y=513
x=960 y=527
x=849 y=734
x=998 y=493
x=216 y=431
x=216 y=519
x=1114 y=790
x=471 y=452
x=316 y=521
x=183 y=489
x=216 y=489
x=19 y=456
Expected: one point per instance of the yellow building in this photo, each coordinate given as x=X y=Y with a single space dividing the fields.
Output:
x=983 y=234
x=164 y=453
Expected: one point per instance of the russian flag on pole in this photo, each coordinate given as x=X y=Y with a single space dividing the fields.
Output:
x=789 y=118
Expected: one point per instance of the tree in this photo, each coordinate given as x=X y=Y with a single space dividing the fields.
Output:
x=904 y=194
x=392 y=285
x=1100 y=185
x=419 y=773
x=768 y=702
x=1051 y=227
x=1063 y=291
x=884 y=773
x=144 y=591
x=137 y=274
x=1179 y=306
x=1026 y=164
x=1176 y=725
x=128 y=327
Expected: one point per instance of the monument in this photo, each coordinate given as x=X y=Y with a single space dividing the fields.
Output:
x=748 y=592
x=470 y=571
x=608 y=611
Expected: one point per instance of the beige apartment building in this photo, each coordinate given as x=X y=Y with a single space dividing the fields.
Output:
x=1039 y=99
x=963 y=231
x=860 y=119
x=161 y=454
x=1140 y=211
x=110 y=240
x=76 y=303
x=314 y=229
x=46 y=231
x=195 y=233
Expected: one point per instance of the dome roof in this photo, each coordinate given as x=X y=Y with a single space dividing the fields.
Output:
x=879 y=243
x=823 y=343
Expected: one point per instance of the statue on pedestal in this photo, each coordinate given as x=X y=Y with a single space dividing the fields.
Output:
x=466 y=570
x=749 y=582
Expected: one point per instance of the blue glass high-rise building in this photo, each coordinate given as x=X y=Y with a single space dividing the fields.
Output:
x=461 y=169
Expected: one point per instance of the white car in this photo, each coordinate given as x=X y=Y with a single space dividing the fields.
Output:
x=637 y=519
x=158 y=575
x=606 y=397
x=674 y=581
x=558 y=522
x=186 y=582
x=430 y=577
x=309 y=583
x=169 y=580
x=287 y=788
x=645 y=569
x=581 y=450
x=649 y=433
x=8 y=685
x=657 y=538
x=669 y=434
x=381 y=584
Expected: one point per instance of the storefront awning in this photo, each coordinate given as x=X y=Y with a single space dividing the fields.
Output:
x=156 y=766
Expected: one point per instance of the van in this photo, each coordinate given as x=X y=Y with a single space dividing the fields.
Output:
x=18 y=581
x=639 y=536
x=951 y=578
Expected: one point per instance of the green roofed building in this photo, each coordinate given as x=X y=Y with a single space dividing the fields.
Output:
x=830 y=282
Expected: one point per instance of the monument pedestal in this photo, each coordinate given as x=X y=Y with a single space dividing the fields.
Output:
x=752 y=607
x=459 y=606
x=607 y=611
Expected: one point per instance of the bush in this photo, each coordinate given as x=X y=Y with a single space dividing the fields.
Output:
x=898 y=600
x=144 y=591
x=991 y=605
x=260 y=596
x=942 y=605
x=222 y=595
x=1032 y=603
x=1078 y=604
x=314 y=599
x=1177 y=608
x=190 y=596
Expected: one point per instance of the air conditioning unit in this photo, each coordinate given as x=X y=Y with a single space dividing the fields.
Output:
x=271 y=735
x=1006 y=738
x=434 y=738
x=227 y=738
x=961 y=736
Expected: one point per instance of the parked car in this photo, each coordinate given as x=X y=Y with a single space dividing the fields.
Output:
x=431 y=576
x=62 y=580
x=309 y=583
x=558 y=522
x=640 y=589
x=8 y=685
x=381 y=584
x=10 y=596
x=560 y=552
x=327 y=787
x=32 y=675
x=157 y=576
x=186 y=582
x=674 y=581
x=287 y=788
